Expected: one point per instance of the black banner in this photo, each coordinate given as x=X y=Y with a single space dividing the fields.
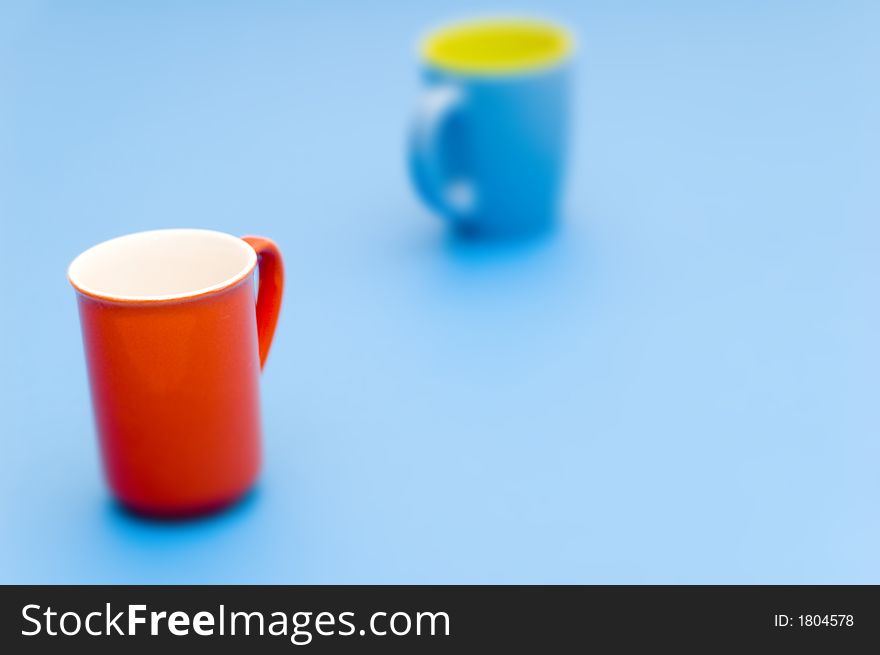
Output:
x=447 y=619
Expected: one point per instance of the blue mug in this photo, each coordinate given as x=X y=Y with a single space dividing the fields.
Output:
x=489 y=141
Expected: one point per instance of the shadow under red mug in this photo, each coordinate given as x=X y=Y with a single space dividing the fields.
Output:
x=174 y=342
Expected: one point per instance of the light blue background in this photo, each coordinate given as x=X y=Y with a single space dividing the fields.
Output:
x=681 y=385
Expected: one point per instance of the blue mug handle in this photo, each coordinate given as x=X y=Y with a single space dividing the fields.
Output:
x=452 y=198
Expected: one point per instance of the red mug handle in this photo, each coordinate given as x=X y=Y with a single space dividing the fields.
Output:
x=269 y=294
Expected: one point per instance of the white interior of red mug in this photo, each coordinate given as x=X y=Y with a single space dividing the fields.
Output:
x=162 y=265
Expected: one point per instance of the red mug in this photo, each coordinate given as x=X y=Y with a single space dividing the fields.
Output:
x=175 y=342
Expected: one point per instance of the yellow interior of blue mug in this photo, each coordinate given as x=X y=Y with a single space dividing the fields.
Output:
x=497 y=46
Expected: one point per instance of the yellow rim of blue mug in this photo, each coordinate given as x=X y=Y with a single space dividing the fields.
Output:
x=497 y=46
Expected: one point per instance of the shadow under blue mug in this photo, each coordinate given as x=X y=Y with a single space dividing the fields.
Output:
x=489 y=141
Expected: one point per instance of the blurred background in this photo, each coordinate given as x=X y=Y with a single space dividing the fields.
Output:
x=678 y=386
